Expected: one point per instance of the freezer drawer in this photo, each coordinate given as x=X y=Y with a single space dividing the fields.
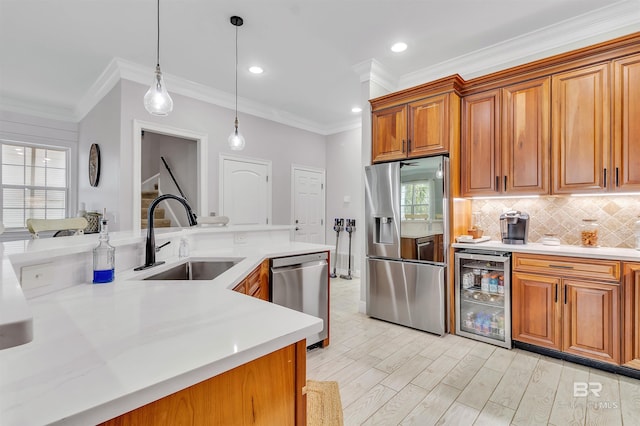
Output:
x=405 y=293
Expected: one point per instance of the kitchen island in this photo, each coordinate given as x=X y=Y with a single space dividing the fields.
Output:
x=100 y=351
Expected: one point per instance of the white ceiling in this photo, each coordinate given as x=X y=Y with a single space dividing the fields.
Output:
x=54 y=53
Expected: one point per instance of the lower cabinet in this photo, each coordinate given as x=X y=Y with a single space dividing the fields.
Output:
x=564 y=311
x=631 y=313
x=266 y=391
x=256 y=284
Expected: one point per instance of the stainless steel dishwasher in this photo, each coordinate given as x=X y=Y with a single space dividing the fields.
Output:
x=302 y=283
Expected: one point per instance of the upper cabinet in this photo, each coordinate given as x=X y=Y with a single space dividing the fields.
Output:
x=390 y=133
x=480 y=150
x=505 y=140
x=559 y=125
x=429 y=125
x=417 y=122
x=581 y=130
x=626 y=123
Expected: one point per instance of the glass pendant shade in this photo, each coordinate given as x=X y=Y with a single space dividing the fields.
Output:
x=236 y=140
x=157 y=100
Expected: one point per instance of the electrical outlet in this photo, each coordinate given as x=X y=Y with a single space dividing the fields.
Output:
x=240 y=238
x=36 y=276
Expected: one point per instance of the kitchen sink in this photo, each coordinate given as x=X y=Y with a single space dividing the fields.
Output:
x=195 y=270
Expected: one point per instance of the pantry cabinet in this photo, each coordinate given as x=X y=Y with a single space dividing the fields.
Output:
x=626 y=123
x=505 y=140
x=568 y=304
x=631 y=316
x=581 y=130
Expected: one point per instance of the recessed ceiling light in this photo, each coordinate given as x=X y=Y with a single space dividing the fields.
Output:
x=399 y=47
x=256 y=70
x=356 y=109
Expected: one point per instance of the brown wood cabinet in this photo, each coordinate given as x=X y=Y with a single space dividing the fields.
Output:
x=554 y=305
x=526 y=137
x=266 y=391
x=480 y=150
x=256 y=284
x=626 y=123
x=631 y=316
x=505 y=140
x=416 y=129
x=536 y=313
x=389 y=134
x=416 y=122
x=581 y=130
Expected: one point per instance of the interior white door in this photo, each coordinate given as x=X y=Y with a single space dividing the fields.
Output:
x=245 y=192
x=308 y=205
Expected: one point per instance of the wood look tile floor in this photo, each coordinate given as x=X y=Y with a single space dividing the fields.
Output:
x=394 y=375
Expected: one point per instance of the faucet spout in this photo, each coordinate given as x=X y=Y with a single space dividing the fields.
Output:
x=150 y=244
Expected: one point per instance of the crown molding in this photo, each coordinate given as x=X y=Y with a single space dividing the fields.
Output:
x=618 y=19
x=373 y=71
x=120 y=68
x=50 y=112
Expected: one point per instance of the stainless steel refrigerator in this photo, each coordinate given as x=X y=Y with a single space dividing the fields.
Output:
x=405 y=211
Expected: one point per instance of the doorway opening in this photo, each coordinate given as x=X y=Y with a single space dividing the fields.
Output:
x=180 y=154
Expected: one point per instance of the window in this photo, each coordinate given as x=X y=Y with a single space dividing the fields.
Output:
x=34 y=184
x=414 y=200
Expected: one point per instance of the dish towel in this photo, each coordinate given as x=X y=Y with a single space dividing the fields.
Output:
x=324 y=407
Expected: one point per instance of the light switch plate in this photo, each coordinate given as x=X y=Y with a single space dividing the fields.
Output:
x=36 y=276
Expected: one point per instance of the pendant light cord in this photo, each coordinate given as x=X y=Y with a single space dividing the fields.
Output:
x=158 y=34
x=236 y=77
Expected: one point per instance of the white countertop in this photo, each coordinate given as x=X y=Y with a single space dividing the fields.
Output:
x=613 y=253
x=102 y=350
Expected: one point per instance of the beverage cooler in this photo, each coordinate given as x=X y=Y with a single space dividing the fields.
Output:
x=483 y=296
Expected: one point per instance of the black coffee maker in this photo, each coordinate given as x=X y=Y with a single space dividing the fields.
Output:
x=514 y=226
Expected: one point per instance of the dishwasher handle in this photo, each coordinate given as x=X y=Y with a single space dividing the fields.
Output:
x=314 y=264
x=298 y=260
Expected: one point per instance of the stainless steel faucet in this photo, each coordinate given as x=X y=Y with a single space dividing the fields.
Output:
x=150 y=245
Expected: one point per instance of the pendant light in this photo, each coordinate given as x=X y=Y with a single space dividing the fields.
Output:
x=236 y=140
x=439 y=172
x=157 y=100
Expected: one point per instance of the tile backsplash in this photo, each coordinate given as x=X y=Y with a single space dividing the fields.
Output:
x=562 y=216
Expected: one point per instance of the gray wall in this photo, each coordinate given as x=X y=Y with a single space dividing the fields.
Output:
x=102 y=126
x=344 y=168
x=266 y=140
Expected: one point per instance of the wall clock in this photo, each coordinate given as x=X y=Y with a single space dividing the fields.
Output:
x=94 y=164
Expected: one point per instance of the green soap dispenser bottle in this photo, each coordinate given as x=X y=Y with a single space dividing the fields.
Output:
x=104 y=256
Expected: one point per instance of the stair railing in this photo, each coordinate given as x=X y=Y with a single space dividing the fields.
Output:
x=173 y=178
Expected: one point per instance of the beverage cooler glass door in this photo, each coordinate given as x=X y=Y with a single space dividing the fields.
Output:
x=483 y=297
